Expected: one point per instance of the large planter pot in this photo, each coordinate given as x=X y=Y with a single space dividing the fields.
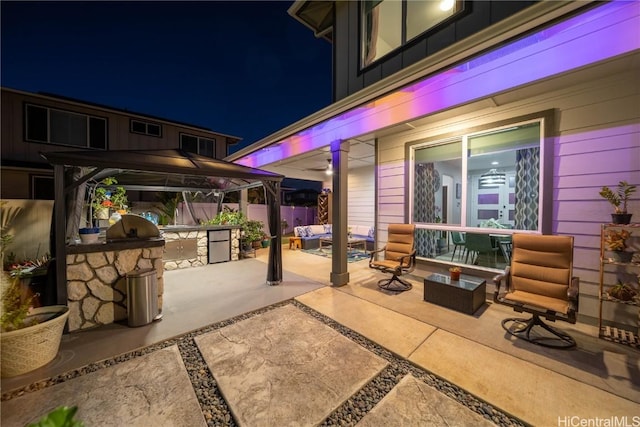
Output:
x=26 y=349
x=621 y=218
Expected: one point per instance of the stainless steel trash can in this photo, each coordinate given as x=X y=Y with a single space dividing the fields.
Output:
x=142 y=297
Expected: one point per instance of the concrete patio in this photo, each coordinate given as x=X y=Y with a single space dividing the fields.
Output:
x=304 y=353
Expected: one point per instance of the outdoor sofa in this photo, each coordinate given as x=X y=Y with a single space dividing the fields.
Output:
x=310 y=234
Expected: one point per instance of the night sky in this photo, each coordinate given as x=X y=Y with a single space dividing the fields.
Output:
x=241 y=68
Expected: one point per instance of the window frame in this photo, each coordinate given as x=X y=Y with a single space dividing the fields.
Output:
x=198 y=139
x=460 y=6
x=34 y=179
x=545 y=208
x=146 y=126
x=88 y=135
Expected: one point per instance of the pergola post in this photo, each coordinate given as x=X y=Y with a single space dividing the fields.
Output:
x=274 y=268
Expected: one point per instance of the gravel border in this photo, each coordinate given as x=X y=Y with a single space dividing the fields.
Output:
x=217 y=413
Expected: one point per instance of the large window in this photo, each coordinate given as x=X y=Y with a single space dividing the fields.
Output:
x=388 y=24
x=53 y=126
x=486 y=183
x=198 y=145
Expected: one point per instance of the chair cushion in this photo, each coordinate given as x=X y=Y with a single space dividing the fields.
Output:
x=312 y=230
x=544 y=302
x=542 y=266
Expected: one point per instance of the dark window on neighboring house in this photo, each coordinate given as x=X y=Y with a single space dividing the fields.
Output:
x=198 y=145
x=42 y=187
x=146 y=128
x=54 y=126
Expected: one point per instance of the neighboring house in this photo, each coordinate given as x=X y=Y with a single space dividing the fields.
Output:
x=466 y=116
x=36 y=122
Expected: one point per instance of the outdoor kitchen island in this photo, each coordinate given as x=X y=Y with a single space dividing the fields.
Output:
x=96 y=272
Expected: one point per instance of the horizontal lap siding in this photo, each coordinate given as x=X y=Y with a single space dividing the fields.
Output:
x=597 y=143
x=361 y=196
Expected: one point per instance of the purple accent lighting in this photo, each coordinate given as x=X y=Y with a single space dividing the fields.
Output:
x=596 y=35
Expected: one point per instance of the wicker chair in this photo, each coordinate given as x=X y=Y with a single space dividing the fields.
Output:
x=539 y=281
x=399 y=257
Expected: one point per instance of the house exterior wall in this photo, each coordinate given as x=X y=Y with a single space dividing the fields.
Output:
x=18 y=154
x=351 y=78
x=361 y=196
x=597 y=143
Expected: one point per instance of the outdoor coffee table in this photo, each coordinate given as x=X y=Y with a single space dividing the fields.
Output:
x=352 y=243
x=465 y=295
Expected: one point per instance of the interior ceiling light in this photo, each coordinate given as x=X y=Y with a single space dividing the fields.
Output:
x=493 y=178
x=446 y=5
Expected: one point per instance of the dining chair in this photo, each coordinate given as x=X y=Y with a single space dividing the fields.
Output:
x=478 y=244
x=457 y=238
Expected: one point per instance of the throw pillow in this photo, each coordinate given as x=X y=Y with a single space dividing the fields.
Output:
x=309 y=231
x=327 y=228
x=301 y=231
x=371 y=233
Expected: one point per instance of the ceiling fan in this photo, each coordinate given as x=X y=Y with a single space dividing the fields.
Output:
x=327 y=169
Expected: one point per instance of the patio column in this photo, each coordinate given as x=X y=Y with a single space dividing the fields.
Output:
x=339 y=215
x=274 y=268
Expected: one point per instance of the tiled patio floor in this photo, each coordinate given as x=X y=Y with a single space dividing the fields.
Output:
x=267 y=355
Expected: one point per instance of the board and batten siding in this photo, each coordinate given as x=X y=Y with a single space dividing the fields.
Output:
x=597 y=142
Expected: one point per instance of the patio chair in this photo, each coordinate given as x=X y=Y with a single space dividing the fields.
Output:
x=399 y=257
x=539 y=281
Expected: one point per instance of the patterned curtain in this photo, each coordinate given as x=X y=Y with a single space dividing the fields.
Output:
x=527 y=189
x=424 y=201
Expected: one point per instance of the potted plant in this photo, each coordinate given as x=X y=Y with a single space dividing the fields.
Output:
x=104 y=198
x=622 y=291
x=29 y=337
x=616 y=241
x=619 y=199
x=253 y=232
x=454 y=273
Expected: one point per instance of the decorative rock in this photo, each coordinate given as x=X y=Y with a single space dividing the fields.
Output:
x=96 y=259
x=170 y=265
x=144 y=263
x=158 y=265
x=119 y=312
x=107 y=274
x=202 y=251
x=126 y=260
x=111 y=256
x=105 y=314
x=121 y=286
x=76 y=290
x=74 y=320
x=79 y=272
x=100 y=290
x=90 y=306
